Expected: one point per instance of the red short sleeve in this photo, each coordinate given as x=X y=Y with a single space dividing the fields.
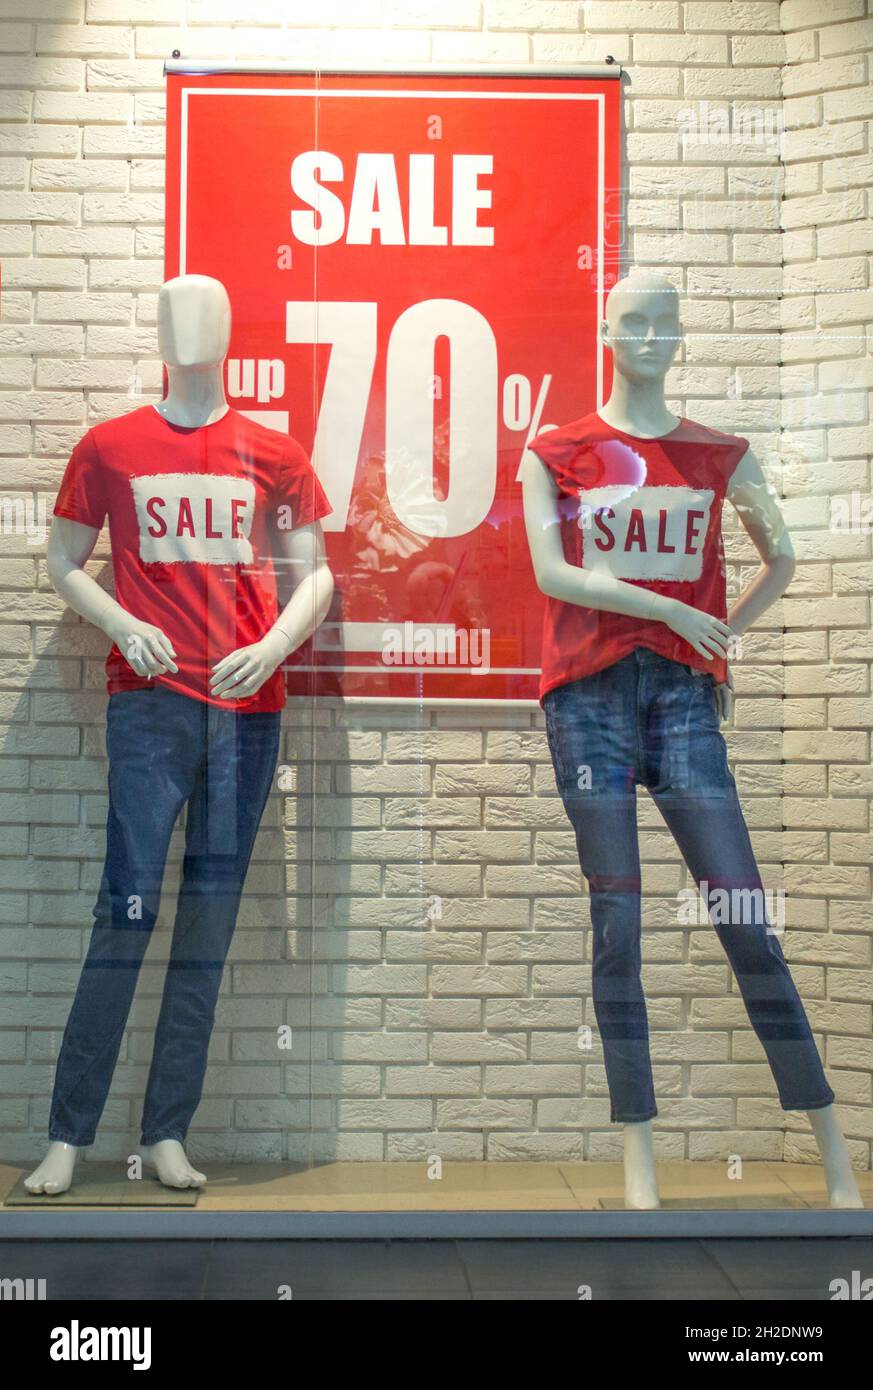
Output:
x=82 y=495
x=571 y=460
x=725 y=454
x=298 y=498
x=579 y=464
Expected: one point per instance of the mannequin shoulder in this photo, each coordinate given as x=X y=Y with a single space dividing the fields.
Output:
x=748 y=470
x=131 y=425
x=715 y=454
x=696 y=432
x=566 y=455
x=562 y=440
x=272 y=447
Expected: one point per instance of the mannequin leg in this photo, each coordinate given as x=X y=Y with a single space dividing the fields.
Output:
x=691 y=783
x=592 y=728
x=149 y=767
x=640 y=1181
x=224 y=813
x=714 y=842
x=841 y=1184
x=606 y=835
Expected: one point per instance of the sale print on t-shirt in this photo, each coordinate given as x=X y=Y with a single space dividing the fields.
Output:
x=194 y=518
x=656 y=533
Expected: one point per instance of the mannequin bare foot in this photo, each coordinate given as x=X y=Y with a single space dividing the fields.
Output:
x=842 y=1187
x=640 y=1182
x=170 y=1162
x=55 y=1174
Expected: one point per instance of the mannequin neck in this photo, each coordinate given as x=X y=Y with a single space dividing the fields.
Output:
x=638 y=407
x=195 y=395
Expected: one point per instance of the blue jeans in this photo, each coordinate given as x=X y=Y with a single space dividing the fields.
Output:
x=651 y=721
x=165 y=749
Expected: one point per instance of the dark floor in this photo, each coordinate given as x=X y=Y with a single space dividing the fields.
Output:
x=197 y=1270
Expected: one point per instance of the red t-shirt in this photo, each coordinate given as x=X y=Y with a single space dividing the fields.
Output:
x=643 y=510
x=192 y=515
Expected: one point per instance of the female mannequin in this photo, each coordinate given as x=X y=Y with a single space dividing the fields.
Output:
x=628 y=697
x=203 y=505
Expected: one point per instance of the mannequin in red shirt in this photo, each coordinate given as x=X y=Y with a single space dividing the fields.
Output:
x=643 y=331
x=203 y=506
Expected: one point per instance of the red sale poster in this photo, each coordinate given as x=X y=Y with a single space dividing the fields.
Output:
x=417 y=267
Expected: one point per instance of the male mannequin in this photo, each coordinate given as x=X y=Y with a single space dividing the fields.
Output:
x=200 y=500
x=628 y=698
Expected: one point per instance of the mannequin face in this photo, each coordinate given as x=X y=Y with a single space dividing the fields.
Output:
x=642 y=329
x=193 y=321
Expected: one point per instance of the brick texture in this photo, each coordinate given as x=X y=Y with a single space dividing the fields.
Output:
x=411 y=975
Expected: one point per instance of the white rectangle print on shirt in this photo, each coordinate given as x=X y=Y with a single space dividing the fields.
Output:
x=187 y=518
x=653 y=533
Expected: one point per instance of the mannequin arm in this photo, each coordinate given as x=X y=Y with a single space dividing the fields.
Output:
x=70 y=547
x=147 y=650
x=756 y=505
x=572 y=584
x=302 y=554
x=304 y=557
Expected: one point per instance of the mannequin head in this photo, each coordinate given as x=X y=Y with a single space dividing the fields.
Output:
x=193 y=321
x=641 y=326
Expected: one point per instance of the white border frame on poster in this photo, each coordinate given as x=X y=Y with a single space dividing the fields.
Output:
x=598 y=71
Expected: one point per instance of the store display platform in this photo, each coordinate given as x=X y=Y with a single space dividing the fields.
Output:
x=102 y=1185
x=340 y=1200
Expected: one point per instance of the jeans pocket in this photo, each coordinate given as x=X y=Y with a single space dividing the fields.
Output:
x=576 y=717
x=565 y=735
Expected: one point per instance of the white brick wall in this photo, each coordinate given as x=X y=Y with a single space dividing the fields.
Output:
x=459 y=1036
x=825 y=386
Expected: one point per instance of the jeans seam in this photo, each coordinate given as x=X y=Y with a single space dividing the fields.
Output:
x=641 y=765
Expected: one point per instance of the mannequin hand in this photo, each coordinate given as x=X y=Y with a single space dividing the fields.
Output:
x=145 y=648
x=724 y=695
x=707 y=635
x=242 y=674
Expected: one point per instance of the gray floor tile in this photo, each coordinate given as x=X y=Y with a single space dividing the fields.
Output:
x=348 y=1266
x=791 y=1264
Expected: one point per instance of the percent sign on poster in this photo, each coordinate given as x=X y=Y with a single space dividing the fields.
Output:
x=417 y=267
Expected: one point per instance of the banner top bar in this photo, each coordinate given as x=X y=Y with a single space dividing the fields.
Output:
x=198 y=67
